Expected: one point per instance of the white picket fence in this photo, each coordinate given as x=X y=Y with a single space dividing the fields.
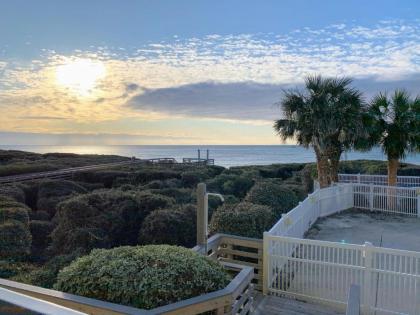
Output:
x=324 y=271
x=397 y=200
x=402 y=181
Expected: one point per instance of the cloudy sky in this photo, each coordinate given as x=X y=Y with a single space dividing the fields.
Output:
x=187 y=72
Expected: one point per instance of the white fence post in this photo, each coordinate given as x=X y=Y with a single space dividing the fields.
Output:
x=418 y=202
x=266 y=268
x=367 y=286
x=371 y=197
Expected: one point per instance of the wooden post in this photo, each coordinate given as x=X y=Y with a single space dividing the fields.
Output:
x=371 y=197
x=201 y=214
x=266 y=266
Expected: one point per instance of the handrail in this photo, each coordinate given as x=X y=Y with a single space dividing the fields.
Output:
x=35 y=304
x=227 y=297
x=353 y=301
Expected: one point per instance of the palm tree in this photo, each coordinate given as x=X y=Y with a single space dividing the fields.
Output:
x=327 y=117
x=394 y=123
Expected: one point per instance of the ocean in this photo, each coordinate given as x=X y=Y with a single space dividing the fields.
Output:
x=224 y=155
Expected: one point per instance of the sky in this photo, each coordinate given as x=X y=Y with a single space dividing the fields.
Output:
x=188 y=72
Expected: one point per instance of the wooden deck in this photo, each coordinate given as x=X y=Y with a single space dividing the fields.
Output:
x=273 y=305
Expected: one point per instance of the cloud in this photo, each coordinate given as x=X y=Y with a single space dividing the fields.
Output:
x=41 y=118
x=219 y=76
x=239 y=100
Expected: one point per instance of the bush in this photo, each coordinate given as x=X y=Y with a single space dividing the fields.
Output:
x=13 y=191
x=142 y=276
x=39 y=215
x=170 y=226
x=15 y=240
x=229 y=184
x=148 y=175
x=46 y=276
x=192 y=178
x=17 y=213
x=9 y=269
x=107 y=178
x=162 y=184
x=52 y=192
x=279 y=198
x=180 y=195
x=40 y=231
x=282 y=171
x=244 y=219
x=105 y=218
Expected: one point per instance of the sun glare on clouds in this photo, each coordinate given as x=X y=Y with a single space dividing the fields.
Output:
x=80 y=76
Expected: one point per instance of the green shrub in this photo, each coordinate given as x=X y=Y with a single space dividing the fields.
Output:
x=105 y=218
x=142 y=276
x=9 y=269
x=180 y=195
x=17 y=213
x=298 y=189
x=163 y=184
x=107 y=178
x=40 y=231
x=279 y=198
x=170 y=226
x=148 y=175
x=14 y=192
x=244 y=219
x=46 y=276
x=229 y=184
x=52 y=192
x=192 y=178
x=39 y=215
x=15 y=240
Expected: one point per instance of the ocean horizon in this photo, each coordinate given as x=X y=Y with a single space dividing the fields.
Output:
x=224 y=155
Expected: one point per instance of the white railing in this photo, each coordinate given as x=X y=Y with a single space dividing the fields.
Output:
x=320 y=203
x=324 y=271
x=397 y=200
x=402 y=181
x=34 y=304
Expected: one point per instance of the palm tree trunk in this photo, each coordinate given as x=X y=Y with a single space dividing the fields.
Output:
x=392 y=181
x=323 y=169
x=334 y=164
x=392 y=171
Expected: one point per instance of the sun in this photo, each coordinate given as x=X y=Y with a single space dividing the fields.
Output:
x=80 y=76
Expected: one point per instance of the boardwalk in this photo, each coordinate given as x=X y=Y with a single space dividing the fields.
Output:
x=273 y=305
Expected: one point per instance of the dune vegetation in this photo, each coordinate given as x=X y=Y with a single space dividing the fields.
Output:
x=45 y=225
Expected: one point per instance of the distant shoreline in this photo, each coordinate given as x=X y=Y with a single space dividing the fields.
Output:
x=224 y=155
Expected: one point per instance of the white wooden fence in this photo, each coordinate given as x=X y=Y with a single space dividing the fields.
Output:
x=402 y=181
x=324 y=271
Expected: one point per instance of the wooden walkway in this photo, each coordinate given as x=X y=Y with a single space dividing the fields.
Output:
x=273 y=305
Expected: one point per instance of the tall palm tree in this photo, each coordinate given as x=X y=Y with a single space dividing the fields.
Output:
x=325 y=116
x=394 y=124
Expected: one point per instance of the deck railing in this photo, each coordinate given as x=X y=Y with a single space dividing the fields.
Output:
x=235 y=299
x=324 y=271
x=238 y=250
x=402 y=181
